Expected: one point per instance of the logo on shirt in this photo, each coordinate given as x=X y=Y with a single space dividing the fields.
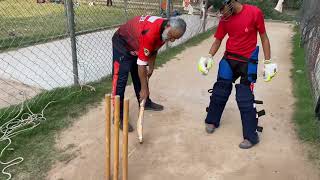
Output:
x=246 y=30
x=142 y=18
x=146 y=52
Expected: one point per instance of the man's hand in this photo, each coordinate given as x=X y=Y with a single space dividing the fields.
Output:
x=144 y=93
x=270 y=70
x=205 y=64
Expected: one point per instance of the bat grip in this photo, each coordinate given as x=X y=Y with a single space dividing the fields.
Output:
x=143 y=102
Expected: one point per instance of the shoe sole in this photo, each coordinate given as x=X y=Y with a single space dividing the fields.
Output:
x=247 y=147
x=148 y=109
x=210 y=131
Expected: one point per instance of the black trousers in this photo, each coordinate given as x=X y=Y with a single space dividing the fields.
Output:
x=123 y=64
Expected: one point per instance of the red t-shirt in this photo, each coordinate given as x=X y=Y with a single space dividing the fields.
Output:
x=242 y=30
x=143 y=36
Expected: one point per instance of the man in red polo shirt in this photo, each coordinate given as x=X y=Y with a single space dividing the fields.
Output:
x=242 y=23
x=135 y=46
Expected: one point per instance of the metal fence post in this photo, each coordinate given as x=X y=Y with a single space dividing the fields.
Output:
x=205 y=12
x=168 y=8
x=160 y=7
x=168 y=16
x=72 y=34
x=126 y=8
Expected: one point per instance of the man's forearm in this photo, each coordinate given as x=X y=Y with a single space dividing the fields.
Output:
x=266 y=47
x=152 y=61
x=215 y=47
x=142 y=71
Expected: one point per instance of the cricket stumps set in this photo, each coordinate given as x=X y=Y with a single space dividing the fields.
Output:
x=116 y=122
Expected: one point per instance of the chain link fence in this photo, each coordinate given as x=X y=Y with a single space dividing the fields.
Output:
x=310 y=28
x=50 y=44
x=50 y=48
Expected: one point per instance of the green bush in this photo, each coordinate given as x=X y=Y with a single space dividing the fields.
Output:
x=291 y=4
x=268 y=9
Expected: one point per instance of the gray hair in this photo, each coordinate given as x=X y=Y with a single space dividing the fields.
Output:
x=178 y=24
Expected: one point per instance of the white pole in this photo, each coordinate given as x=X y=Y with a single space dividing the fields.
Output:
x=279 y=6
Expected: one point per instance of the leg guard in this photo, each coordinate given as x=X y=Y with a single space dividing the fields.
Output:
x=245 y=100
x=220 y=95
x=259 y=114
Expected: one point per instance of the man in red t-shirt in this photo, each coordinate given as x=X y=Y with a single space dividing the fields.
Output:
x=242 y=23
x=135 y=46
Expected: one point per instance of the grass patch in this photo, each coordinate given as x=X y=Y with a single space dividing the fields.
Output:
x=307 y=125
x=26 y=22
x=37 y=146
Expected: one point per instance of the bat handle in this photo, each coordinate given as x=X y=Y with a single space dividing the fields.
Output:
x=140 y=121
x=143 y=102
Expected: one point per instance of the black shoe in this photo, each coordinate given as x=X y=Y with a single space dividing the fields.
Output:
x=130 y=128
x=153 y=106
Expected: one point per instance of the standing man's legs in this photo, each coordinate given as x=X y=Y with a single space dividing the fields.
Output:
x=245 y=100
x=231 y=69
x=121 y=67
x=109 y=2
x=220 y=94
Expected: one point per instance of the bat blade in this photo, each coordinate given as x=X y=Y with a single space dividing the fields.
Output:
x=140 y=122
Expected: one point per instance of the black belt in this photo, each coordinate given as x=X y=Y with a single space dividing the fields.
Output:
x=226 y=54
x=242 y=58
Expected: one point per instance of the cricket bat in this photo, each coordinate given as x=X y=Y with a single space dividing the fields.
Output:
x=140 y=121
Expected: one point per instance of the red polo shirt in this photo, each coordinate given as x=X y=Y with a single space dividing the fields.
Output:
x=242 y=29
x=143 y=36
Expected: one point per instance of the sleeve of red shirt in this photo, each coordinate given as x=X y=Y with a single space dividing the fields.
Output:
x=260 y=22
x=146 y=48
x=221 y=32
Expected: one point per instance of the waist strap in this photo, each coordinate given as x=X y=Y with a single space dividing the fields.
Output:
x=242 y=58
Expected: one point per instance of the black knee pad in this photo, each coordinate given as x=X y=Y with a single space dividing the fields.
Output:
x=220 y=92
x=245 y=98
x=247 y=103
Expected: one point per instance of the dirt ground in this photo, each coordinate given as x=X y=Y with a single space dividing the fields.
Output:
x=176 y=145
x=13 y=92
